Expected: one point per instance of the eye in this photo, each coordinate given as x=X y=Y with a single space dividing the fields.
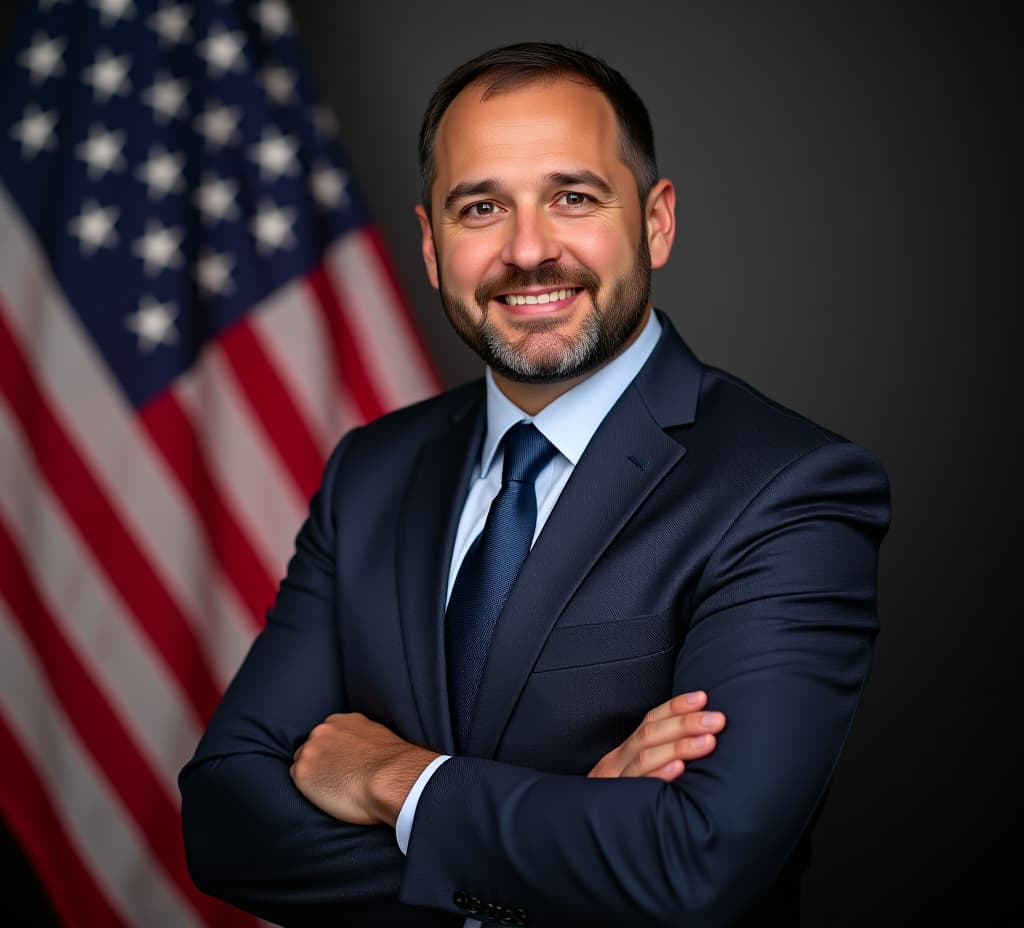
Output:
x=574 y=199
x=484 y=209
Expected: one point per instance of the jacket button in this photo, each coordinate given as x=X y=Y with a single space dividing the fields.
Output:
x=519 y=916
x=473 y=905
x=460 y=899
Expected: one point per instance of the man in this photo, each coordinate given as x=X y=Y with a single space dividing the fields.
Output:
x=409 y=740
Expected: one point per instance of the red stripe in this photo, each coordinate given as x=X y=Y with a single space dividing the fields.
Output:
x=269 y=398
x=172 y=432
x=102 y=531
x=398 y=295
x=108 y=741
x=355 y=379
x=76 y=898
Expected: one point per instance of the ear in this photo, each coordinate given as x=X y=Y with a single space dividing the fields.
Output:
x=427 y=246
x=660 y=214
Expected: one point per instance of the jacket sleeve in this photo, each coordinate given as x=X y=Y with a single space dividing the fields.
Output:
x=250 y=837
x=781 y=630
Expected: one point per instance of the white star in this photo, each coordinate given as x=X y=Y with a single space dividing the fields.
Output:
x=35 y=131
x=44 y=57
x=213 y=271
x=170 y=22
x=216 y=198
x=272 y=227
x=153 y=323
x=162 y=172
x=108 y=75
x=219 y=123
x=166 y=96
x=223 y=50
x=273 y=17
x=329 y=186
x=94 y=226
x=101 y=151
x=113 y=10
x=158 y=248
x=275 y=154
x=278 y=83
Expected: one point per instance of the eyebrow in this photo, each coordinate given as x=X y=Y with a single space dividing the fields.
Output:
x=557 y=179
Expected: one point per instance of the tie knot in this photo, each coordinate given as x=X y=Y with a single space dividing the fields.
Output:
x=526 y=453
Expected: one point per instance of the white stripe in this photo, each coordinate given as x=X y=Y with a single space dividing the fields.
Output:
x=135 y=478
x=292 y=331
x=105 y=836
x=120 y=659
x=246 y=469
x=383 y=331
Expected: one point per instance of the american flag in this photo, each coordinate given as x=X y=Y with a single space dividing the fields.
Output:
x=194 y=306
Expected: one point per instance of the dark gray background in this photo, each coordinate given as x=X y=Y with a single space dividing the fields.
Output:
x=847 y=179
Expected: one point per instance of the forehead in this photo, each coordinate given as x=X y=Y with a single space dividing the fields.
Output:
x=545 y=125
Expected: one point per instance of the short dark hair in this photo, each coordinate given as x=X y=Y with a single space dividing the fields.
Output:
x=511 y=66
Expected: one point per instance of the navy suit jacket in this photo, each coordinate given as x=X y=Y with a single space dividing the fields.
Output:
x=708 y=538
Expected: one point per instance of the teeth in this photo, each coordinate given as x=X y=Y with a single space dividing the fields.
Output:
x=534 y=298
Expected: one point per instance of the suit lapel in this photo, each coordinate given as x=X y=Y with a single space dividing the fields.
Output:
x=628 y=456
x=430 y=518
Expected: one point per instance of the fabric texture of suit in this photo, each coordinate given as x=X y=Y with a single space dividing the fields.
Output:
x=707 y=539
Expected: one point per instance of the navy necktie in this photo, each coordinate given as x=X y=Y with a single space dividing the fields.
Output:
x=490 y=569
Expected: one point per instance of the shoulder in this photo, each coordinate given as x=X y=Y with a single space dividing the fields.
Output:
x=397 y=436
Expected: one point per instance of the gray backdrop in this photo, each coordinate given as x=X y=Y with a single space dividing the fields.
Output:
x=845 y=239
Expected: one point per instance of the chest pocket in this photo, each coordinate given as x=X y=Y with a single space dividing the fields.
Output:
x=605 y=642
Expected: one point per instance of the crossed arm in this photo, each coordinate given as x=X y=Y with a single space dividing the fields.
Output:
x=359 y=772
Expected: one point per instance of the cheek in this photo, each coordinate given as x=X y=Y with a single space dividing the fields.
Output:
x=604 y=249
x=467 y=261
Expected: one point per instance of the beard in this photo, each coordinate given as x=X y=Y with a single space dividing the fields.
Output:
x=541 y=354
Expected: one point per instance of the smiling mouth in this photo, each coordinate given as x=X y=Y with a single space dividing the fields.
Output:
x=533 y=299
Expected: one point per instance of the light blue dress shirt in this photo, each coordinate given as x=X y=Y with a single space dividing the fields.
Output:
x=569 y=423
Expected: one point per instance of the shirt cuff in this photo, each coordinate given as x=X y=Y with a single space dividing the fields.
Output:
x=403 y=827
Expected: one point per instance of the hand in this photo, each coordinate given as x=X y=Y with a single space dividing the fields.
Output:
x=669 y=735
x=356 y=770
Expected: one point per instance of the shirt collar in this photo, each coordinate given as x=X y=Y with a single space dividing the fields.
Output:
x=570 y=421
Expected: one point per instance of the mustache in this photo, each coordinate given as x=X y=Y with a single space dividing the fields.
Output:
x=549 y=275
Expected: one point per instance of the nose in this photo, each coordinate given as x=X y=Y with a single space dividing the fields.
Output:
x=531 y=240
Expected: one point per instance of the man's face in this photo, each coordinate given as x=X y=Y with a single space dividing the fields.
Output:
x=538 y=243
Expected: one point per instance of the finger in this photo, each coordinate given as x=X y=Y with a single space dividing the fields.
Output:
x=678 y=705
x=651 y=734
x=650 y=760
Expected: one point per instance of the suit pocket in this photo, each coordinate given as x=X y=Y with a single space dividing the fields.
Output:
x=602 y=642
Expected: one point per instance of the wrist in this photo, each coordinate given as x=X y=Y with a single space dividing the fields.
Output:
x=391 y=783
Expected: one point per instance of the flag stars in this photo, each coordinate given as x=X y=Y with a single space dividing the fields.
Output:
x=272 y=227
x=113 y=10
x=158 y=248
x=167 y=96
x=275 y=154
x=273 y=17
x=153 y=324
x=44 y=58
x=102 y=152
x=162 y=172
x=94 y=227
x=213 y=273
x=218 y=123
x=35 y=131
x=329 y=186
x=108 y=75
x=278 y=84
x=222 y=51
x=171 y=24
x=216 y=198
